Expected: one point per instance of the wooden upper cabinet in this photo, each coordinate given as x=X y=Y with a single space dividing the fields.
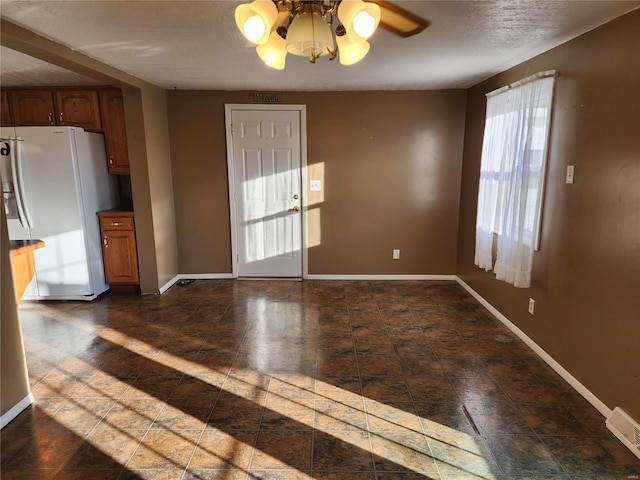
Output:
x=114 y=131
x=32 y=107
x=78 y=108
x=5 y=120
x=35 y=107
x=97 y=109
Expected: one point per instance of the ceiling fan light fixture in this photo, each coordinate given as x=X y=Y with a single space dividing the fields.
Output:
x=364 y=24
x=351 y=52
x=313 y=28
x=274 y=52
x=254 y=20
x=309 y=34
x=254 y=28
x=359 y=18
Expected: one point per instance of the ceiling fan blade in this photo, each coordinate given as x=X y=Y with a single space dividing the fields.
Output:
x=398 y=20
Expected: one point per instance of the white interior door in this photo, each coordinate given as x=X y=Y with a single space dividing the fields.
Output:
x=266 y=158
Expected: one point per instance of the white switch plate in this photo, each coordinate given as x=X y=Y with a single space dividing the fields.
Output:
x=569 y=178
x=532 y=305
x=315 y=185
x=396 y=253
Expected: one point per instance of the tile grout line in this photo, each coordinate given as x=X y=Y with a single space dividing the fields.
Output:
x=413 y=402
x=362 y=396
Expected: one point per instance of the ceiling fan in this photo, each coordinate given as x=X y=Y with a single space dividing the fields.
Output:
x=309 y=27
x=398 y=20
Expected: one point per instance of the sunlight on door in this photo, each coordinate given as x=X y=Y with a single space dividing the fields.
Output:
x=267 y=185
x=275 y=220
x=314 y=202
x=271 y=223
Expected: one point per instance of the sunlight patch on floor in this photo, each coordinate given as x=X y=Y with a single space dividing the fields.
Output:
x=396 y=437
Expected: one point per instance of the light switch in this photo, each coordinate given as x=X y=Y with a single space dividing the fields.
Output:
x=569 y=178
x=315 y=185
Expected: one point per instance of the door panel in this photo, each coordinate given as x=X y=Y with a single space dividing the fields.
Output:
x=121 y=264
x=32 y=107
x=78 y=108
x=266 y=159
x=115 y=133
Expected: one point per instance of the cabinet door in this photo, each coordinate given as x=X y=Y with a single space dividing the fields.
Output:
x=112 y=108
x=32 y=107
x=78 y=108
x=120 y=257
x=5 y=121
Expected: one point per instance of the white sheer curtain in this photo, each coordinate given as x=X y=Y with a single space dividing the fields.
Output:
x=512 y=171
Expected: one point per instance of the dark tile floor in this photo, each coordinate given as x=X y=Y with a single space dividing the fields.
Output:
x=327 y=380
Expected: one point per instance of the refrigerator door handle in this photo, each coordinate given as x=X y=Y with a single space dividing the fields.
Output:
x=16 y=170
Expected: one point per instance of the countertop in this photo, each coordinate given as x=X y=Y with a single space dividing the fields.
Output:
x=116 y=211
x=19 y=247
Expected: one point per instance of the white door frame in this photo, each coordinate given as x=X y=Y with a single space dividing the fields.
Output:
x=228 y=109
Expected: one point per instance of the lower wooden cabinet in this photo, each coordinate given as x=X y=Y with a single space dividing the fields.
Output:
x=119 y=248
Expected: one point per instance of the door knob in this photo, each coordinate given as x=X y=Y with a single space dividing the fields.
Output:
x=295 y=209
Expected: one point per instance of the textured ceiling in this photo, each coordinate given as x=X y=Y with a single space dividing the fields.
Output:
x=25 y=71
x=195 y=44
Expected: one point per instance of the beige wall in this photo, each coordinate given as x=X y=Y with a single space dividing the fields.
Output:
x=14 y=379
x=150 y=164
x=586 y=276
x=390 y=164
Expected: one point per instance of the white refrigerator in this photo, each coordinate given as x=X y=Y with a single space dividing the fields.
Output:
x=54 y=180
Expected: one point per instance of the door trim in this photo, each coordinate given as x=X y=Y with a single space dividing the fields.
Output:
x=229 y=108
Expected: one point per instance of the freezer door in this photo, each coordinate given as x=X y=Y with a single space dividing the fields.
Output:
x=9 y=151
x=53 y=196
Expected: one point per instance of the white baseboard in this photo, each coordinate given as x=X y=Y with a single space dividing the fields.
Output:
x=194 y=276
x=227 y=276
x=14 y=411
x=559 y=369
x=169 y=284
x=379 y=277
x=205 y=276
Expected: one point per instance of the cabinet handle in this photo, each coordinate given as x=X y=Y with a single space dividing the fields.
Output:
x=51 y=118
x=115 y=224
x=110 y=160
x=61 y=120
x=105 y=241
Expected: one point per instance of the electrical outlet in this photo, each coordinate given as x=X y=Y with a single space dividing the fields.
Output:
x=396 y=253
x=532 y=305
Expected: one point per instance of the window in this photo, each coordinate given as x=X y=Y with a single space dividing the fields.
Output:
x=512 y=171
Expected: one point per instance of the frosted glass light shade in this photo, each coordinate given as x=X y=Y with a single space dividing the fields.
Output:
x=351 y=52
x=364 y=24
x=309 y=34
x=274 y=52
x=254 y=20
x=254 y=28
x=360 y=19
